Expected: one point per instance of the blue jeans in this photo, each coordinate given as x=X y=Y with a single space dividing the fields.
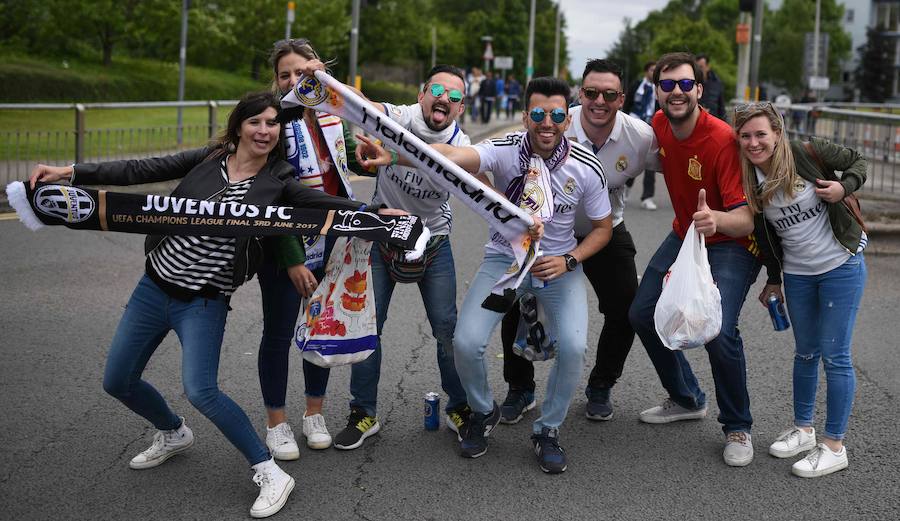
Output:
x=564 y=300
x=823 y=310
x=200 y=326
x=734 y=270
x=281 y=305
x=438 y=290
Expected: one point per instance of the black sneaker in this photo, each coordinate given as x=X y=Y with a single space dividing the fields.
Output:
x=599 y=406
x=551 y=457
x=458 y=420
x=516 y=404
x=359 y=427
x=473 y=442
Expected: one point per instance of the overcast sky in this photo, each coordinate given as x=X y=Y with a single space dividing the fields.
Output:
x=594 y=25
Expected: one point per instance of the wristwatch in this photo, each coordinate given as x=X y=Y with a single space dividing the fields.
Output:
x=571 y=262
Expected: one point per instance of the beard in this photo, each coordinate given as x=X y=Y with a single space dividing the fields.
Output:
x=690 y=107
x=438 y=126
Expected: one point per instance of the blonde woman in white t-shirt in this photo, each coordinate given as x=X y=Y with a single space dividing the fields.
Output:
x=805 y=231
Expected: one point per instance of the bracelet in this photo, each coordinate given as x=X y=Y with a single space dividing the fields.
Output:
x=395 y=157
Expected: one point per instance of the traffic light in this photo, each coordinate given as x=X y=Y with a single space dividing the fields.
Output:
x=747 y=6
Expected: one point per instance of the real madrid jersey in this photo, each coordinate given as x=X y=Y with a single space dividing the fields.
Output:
x=410 y=189
x=578 y=182
x=629 y=150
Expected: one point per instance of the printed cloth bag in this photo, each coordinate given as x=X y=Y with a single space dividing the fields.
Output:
x=689 y=310
x=533 y=342
x=338 y=325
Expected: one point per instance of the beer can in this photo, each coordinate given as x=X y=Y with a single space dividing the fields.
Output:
x=432 y=411
x=777 y=312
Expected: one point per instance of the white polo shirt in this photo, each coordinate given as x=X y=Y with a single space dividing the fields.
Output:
x=630 y=149
x=579 y=182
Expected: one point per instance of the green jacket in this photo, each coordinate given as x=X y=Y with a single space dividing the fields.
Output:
x=846 y=230
x=289 y=249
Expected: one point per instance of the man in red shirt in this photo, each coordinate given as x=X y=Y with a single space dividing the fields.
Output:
x=699 y=157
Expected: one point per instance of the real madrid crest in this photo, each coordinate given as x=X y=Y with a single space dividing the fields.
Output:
x=310 y=91
x=694 y=169
x=532 y=198
x=799 y=184
x=570 y=186
x=621 y=164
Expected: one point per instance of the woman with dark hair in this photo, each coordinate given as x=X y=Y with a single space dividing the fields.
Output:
x=321 y=150
x=805 y=231
x=189 y=281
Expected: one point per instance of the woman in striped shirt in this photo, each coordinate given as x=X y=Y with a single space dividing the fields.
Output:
x=189 y=281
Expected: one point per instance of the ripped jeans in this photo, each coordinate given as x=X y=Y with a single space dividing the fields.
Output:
x=823 y=310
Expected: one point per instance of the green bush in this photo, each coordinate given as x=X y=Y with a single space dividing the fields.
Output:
x=27 y=79
x=395 y=93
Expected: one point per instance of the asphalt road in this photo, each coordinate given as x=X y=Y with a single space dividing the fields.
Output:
x=66 y=444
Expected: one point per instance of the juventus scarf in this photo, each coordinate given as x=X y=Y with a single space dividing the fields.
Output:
x=326 y=94
x=85 y=209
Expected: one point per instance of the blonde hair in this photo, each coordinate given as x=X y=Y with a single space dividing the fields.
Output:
x=783 y=172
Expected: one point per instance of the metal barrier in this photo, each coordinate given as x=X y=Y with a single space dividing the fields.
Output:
x=20 y=150
x=872 y=130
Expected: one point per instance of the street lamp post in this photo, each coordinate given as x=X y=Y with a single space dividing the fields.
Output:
x=182 y=63
x=529 y=66
x=556 y=44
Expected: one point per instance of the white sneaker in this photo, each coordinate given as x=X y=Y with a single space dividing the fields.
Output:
x=792 y=442
x=670 y=412
x=275 y=485
x=820 y=461
x=165 y=445
x=281 y=443
x=738 y=449
x=648 y=204
x=316 y=433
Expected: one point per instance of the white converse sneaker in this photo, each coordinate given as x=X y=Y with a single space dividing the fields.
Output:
x=275 y=485
x=820 y=461
x=281 y=443
x=317 y=436
x=165 y=445
x=670 y=412
x=792 y=442
x=738 y=449
x=648 y=204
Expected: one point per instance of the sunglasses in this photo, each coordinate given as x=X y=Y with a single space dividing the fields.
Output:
x=557 y=115
x=438 y=90
x=752 y=106
x=608 y=95
x=685 y=85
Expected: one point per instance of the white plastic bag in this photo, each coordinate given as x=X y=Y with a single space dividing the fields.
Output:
x=338 y=325
x=689 y=310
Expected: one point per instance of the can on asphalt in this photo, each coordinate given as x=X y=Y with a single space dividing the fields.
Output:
x=432 y=411
x=777 y=312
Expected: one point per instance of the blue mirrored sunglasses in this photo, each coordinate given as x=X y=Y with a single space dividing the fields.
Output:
x=686 y=85
x=557 y=115
x=454 y=95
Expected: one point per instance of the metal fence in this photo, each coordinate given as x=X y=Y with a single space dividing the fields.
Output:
x=872 y=130
x=129 y=137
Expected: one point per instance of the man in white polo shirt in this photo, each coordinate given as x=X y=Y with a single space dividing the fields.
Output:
x=576 y=179
x=626 y=146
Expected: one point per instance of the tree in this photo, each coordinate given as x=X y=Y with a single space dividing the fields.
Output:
x=874 y=74
x=784 y=33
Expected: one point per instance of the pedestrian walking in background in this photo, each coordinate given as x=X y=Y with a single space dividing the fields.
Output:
x=488 y=95
x=513 y=94
x=640 y=102
x=713 y=98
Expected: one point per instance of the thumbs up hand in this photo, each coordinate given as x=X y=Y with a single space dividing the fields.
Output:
x=704 y=218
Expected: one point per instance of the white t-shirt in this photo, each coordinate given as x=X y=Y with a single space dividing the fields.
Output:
x=630 y=149
x=578 y=182
x=801 y=222
x=409 y=189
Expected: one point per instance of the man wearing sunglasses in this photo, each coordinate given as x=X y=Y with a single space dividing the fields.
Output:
x=701 y=166
x=626 y=146
x=432 y=119
x=575 y=176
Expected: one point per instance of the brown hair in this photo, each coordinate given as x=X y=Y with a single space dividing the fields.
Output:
x=783 y=172
x=251 y=104
x=282 y=48
x=673 y=60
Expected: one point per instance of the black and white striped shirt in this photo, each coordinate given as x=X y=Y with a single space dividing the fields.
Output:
x=193 y=262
